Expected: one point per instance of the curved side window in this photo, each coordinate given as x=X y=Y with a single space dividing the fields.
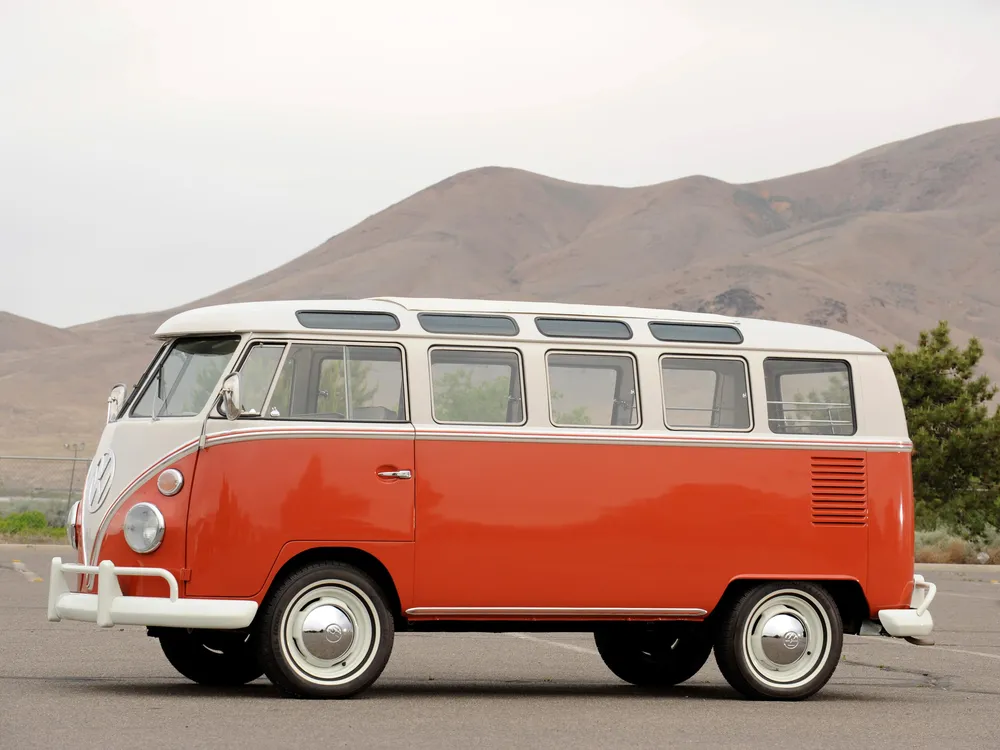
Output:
x=809 y=397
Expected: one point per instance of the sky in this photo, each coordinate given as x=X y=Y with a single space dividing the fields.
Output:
x=152 y=153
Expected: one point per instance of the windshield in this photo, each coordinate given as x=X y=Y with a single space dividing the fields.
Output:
x=187 y=377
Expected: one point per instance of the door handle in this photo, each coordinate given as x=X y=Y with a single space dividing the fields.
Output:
x=401 y=474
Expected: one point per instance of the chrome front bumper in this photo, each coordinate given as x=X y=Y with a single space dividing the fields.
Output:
x=109 y=606
x=915 y=622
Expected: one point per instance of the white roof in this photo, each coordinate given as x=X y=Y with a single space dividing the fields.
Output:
x=277 y=317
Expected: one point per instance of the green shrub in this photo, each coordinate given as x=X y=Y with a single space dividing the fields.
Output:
x=25 y=522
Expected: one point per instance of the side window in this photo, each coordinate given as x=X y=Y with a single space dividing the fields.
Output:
x=593 y=390
x=809 y=397
x=705 y=394
x=256 y=375
x=340 y=383
x=476 y=386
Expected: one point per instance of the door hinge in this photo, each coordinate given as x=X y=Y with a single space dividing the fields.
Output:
x=185 y=574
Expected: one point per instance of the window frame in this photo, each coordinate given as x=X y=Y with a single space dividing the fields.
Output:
x=776 y=378
x=708 y=357
x=592 y=353
x=479 y=349
x=292 y=342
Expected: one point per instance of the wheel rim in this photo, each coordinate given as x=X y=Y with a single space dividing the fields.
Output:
x=329 y=632
x=786 y=638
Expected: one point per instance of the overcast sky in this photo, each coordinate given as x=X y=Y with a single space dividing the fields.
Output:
x=148 y=147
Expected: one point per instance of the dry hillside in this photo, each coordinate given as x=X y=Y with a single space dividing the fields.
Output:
x=21 y=334
x=883 y=245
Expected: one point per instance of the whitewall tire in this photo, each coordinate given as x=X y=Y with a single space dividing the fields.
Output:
x=780 y=641
x=326 y=632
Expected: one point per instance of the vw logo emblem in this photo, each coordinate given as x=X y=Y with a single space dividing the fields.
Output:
x=334 y=632
x=791 y=640
x=99 y=481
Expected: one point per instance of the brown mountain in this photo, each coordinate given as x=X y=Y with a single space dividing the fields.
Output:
x=882 y=245
x=22 y=334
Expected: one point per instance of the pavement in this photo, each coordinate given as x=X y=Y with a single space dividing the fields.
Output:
x=78 y=686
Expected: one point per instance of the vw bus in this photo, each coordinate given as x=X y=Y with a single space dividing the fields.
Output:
x=290 y=484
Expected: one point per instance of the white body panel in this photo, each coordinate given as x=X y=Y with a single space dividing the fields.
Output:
x=130 y=451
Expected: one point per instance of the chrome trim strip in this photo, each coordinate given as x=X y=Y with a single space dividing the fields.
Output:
x=371 y=431
x=575 y=612
x=376 y=430
x=741 y=440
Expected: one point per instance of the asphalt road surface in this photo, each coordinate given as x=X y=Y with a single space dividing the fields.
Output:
x=74 y=685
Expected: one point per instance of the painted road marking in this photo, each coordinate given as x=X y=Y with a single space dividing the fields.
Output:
x=865 y=641
x=20 y=568
x=969 y=596
x=558 y=644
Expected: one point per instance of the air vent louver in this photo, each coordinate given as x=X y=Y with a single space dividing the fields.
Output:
x=839 y=491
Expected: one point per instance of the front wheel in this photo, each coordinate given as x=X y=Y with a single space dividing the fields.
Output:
x=780 y=641
x=654 y=655
x=326 y=632
x=216 y=658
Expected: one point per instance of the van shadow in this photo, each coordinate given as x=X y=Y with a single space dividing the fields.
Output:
x=435 y=689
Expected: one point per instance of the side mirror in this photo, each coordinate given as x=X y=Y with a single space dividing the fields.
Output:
x=231 y=401
x=115 y=401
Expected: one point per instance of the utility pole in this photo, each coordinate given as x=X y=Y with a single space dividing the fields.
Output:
x=76 y=448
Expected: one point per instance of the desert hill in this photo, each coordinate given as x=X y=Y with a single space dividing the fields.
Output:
x=883 y=244
x=22 y=334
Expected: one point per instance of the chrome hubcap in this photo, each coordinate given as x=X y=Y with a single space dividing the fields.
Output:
x=327 y=632
x=784 y=639
x=787 y=638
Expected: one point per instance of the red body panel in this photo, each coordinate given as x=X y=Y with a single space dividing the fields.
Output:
x=890 y=566
x=254 y=496
x=516 y=524
x=523 y=524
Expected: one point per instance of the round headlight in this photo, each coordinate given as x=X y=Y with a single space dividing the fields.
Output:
x=71 y=523
x=169 y=483
x=143 y=527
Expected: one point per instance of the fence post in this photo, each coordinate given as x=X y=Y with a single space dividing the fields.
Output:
x=76 y=448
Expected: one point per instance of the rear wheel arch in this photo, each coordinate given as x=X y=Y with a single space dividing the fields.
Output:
x=847 y=594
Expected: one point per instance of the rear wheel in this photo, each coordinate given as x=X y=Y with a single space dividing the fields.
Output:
x=216 y=658
x=326 y=632
x=656 y=654
x=780 y=641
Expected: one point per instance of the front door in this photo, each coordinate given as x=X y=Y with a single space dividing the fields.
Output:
x=321 y=454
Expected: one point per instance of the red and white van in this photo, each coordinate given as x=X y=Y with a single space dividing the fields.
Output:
x=292 y=483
